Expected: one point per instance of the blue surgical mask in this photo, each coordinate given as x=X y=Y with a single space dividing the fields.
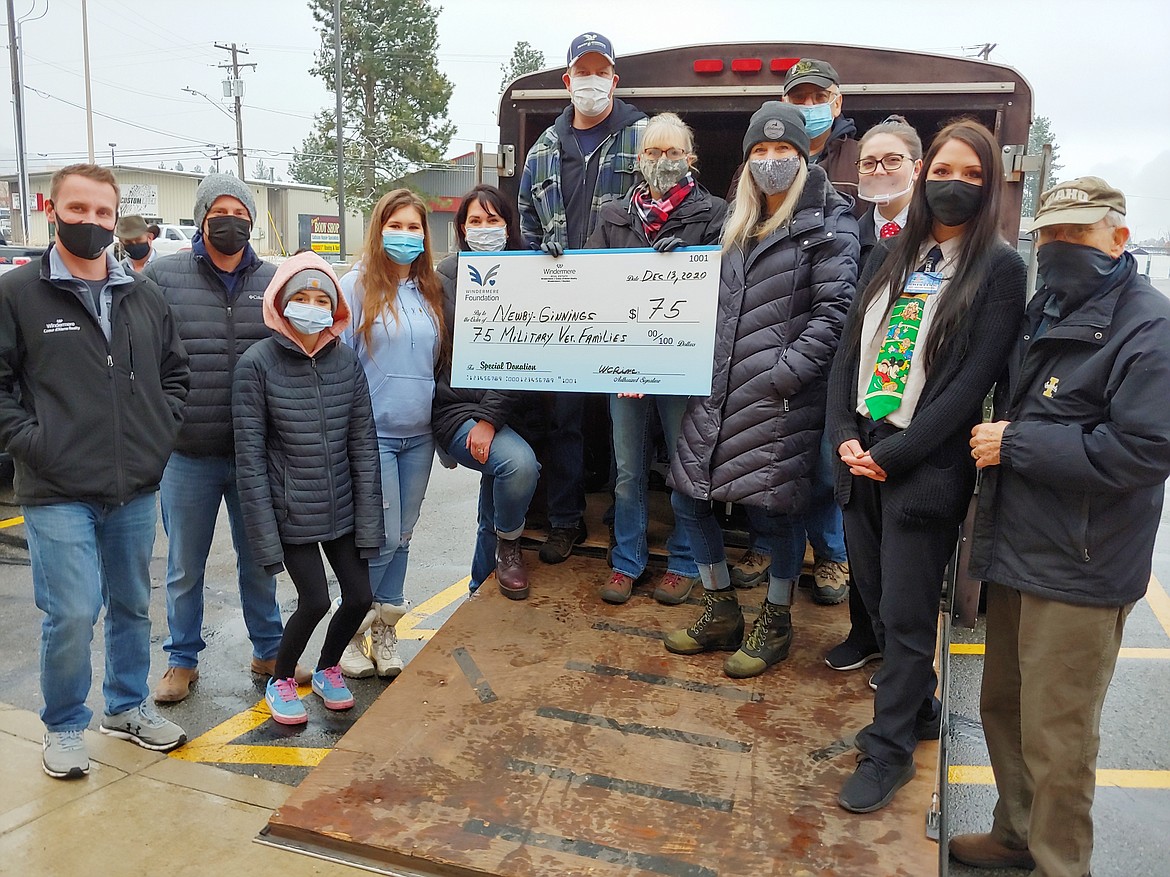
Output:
x=817 y=119
x=403 y=247
x=306 y=318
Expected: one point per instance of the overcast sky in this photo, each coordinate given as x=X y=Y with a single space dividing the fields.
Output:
x=1099 y=70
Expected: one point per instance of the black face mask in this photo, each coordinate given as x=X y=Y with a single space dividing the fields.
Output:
x=229 y=234
x=953 y=202
x=85 y=240
x=137 y=252
x=1073 y=271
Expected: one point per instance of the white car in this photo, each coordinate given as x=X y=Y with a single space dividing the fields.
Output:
x=173 y=238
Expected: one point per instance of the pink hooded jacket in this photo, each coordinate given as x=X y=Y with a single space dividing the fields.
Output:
x=276 y=321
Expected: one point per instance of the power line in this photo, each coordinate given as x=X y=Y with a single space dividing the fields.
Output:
x=237 y=94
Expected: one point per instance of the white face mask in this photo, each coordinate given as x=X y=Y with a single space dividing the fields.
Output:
x=487 y=239
x=590 y=94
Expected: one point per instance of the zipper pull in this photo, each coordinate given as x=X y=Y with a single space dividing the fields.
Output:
x=110 y=360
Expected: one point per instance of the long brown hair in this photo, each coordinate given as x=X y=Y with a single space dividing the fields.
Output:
x=977 y=246
x=379 y=287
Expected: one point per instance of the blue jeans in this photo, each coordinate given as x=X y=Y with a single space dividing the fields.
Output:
x=85 y=556
x=822 y=519
x=505 y=490
x=631 y=448
x=191 y=491
x=781 y=536
x=406 y=469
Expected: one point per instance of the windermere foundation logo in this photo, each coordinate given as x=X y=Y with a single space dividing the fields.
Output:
x=558 y=274
x=484 y=281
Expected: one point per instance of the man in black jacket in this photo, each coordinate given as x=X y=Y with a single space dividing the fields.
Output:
x=92 y=383
x=216 y=292
x=1074 y=473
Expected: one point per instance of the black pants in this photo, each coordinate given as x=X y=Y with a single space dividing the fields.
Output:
x=305 y=568
x=898 y=571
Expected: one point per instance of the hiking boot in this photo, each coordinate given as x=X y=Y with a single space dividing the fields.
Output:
x=720 y=627
x=674 y=589
x=384 y=639
x=830 y=582
x=510 y=572
x=63 y=755
x=266 y=669
x=560 y=542
x=852 y=654
x=873 y=784
x=984 y=851
x=144 y=726
x=767 y=644
x=355 y=659
x=175 y=684
x=751 y=569
x=284 y=703
x=329 y=685
x=618 y=589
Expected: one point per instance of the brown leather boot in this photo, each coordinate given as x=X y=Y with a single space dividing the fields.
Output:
x=984 y=851
x=267 y=669
x=510 y=571
x=175 y=684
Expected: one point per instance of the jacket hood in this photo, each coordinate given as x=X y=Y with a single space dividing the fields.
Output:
x=277 y=322
x=621 y=116
x=842 y=128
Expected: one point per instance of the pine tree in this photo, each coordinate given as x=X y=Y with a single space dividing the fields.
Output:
x=394 y=99
x=525 y=59
x=1040 y=133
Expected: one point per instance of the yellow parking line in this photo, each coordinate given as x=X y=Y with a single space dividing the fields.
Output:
x=12 y=522
x=1138 y=653
x=975 y=775
x=1159 y=601
x=427 y=608
x=292 y=756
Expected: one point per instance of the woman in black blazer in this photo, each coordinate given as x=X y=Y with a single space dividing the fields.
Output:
x=927 y=335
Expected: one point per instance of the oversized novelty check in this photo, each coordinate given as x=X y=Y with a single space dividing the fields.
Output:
x=613 y=321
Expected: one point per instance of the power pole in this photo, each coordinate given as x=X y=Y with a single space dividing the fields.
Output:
x=14 y=50
x=338 y=129
x=88 y=101
x=237 y=91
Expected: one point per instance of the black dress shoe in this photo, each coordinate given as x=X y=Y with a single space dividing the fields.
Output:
x=873 y=784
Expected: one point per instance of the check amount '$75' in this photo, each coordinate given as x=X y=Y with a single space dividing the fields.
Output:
x=612 y=321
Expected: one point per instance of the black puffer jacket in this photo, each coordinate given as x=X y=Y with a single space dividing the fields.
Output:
x=216 y=329
x=698 y=220
x=453 y=406
x=306 y=448
x=755 y=438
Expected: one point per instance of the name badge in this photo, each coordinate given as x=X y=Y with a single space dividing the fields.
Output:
x=923 y=283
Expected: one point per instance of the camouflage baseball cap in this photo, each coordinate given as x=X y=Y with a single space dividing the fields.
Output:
x=1082 y=201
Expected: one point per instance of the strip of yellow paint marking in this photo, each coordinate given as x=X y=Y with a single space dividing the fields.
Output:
x=293 y=756
x=12 y=522
x=1159 y=601
x=974 y=775
x=427 y=608
x=966 y=648
x=1136 y=653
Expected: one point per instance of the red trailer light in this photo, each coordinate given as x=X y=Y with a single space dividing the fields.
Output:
x=708 y=65
x=21 y=260
x=747 y=65
x=782 y=65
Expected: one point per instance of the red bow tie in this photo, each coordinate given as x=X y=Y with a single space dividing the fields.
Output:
x=889 y=230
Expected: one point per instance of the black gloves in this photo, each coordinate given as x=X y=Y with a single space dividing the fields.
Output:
x=666 y=244
x=553 y=249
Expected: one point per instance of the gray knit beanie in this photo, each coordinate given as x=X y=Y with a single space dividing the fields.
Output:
x=307 y=278
x=778 y=122
x=215 y=185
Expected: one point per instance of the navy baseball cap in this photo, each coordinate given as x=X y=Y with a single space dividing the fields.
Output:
x=590 y=42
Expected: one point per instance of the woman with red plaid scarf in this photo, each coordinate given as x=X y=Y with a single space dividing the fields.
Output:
x=667 y=211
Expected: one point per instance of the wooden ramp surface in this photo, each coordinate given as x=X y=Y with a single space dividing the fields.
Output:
x=556 y=736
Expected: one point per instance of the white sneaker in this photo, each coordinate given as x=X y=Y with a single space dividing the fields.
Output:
x=355 y=662
x=384 y=639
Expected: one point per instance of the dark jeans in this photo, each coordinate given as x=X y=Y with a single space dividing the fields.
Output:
x=305 y=568
x=552 y=426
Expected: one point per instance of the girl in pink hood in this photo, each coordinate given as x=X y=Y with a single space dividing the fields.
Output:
x=307 y=471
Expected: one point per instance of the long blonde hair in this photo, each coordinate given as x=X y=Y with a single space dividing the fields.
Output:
x=745 y=222
x=379 y=283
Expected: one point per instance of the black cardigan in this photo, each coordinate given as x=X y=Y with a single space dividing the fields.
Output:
x=930 y=471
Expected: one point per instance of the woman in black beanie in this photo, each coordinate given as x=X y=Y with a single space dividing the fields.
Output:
x=789 y=268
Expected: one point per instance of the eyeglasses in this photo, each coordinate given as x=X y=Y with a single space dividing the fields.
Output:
x=890 y=162
x=673 y=153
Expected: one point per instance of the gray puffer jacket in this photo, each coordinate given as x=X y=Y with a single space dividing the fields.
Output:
x=306 y=449
x=216 y=329
x=755 y=439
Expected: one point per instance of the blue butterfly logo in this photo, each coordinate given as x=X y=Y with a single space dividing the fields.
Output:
x=485 y=280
